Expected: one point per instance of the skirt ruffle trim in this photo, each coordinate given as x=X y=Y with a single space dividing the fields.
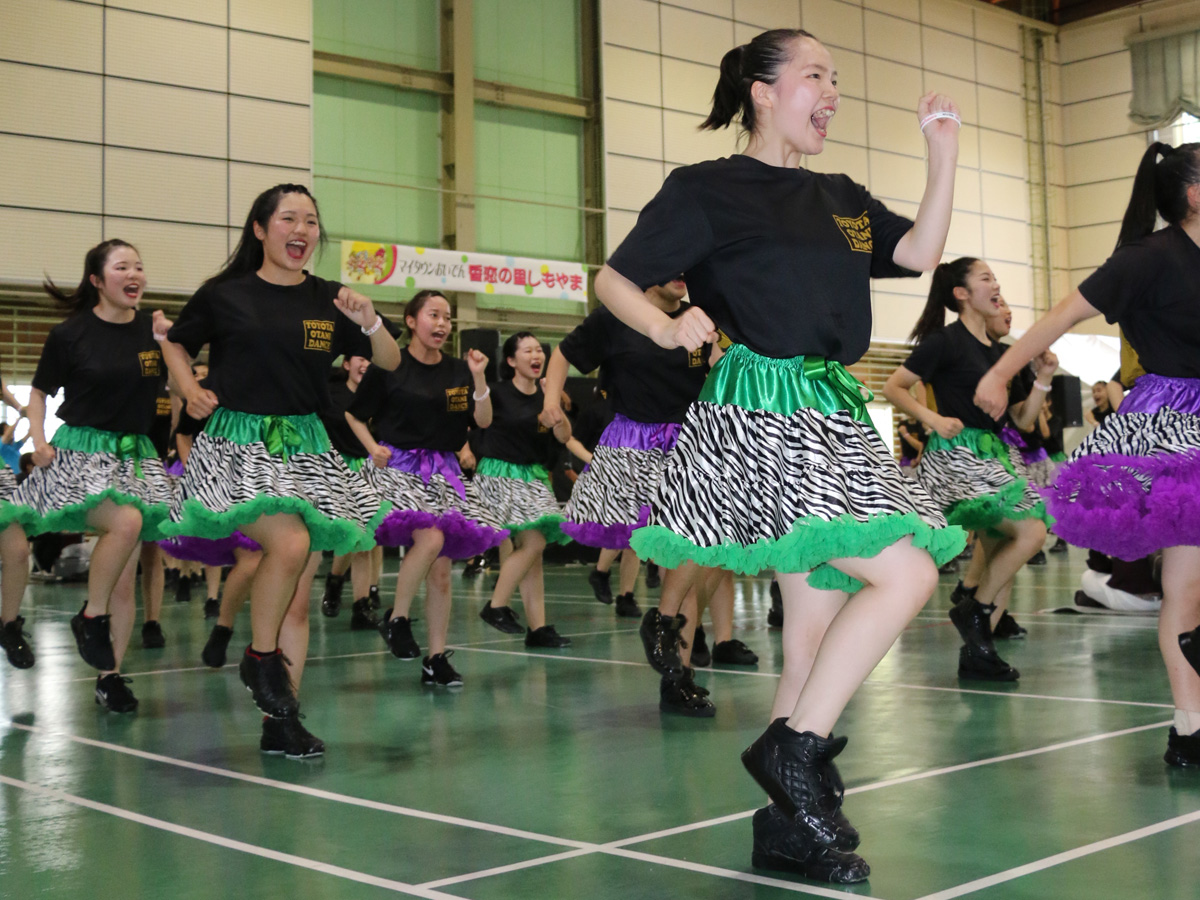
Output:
x=985 y=512
x=463 y=537
x=72 y=518
x=606 y=537
x=219 y=552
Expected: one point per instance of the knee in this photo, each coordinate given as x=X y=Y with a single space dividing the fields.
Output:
x=428 y=540
x=439 y=576
x=125 y=525
x=14 y=546
x=923 y=577
x=290 y=545
x=1032 y=533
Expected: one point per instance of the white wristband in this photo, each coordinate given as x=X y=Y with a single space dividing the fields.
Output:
x=374 y=328
x=487 y=391
x=1043 y=387
x=944 y=114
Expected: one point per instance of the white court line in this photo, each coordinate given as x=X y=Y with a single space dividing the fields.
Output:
x=1059 y=858
x=229 y=843
x=504 y=870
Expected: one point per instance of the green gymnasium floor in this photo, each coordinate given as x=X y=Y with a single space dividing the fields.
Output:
x=553 y=774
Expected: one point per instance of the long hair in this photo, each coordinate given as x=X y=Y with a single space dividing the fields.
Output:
x=509 y=349
x=1160 y=188
x=763 y=59
x=946 y=277
x=86 y=296
x=248 y=255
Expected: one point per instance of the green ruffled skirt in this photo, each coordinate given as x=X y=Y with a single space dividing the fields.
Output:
x=520 y=496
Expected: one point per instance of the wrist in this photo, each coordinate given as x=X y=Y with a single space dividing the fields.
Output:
x=375 y=326
x=1042 y=386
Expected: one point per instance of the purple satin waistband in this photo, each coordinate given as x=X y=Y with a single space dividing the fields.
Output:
x=427 y=462
x=1154 y=392
x=625 y=432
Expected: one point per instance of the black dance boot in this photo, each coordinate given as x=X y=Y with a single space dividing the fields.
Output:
x=1189 y=643
x=684 y=697
x=269 y=683
x=331 y=602
x=1183 y=750
x=373 y=596
x=794 y=769
x=775 y=614
x=978 y=659
x=661 y=641
x=361 y=616
x=780 y=843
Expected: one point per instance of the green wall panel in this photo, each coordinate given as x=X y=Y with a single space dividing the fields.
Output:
x=402 y=32
x=529 y=43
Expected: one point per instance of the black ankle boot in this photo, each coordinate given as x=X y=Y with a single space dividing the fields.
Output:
x=661 y=641
x=331 y=602
x=976 y=666
x=361 y=616
x=1183 y=750
x=1189 y=643
x=793 y=768
x=781 y=844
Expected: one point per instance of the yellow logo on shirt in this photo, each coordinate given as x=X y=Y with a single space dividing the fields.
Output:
x=857 y=232
x=163 y=407
x=318 y=334
x=696 y=357
x=151 y=361
x=456 y=399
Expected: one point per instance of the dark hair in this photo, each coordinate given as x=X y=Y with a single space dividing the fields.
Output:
x=248 y=255
x=417 y=303
x=763 y=59
x=946 y=277
x=1160 y=187
x=510 y=349
x=85 y=296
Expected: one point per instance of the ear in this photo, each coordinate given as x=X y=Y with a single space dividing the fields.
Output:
x=259 y=232
x=1193 y=195
x=962 y=295
x=760 y=93
x=96 y=282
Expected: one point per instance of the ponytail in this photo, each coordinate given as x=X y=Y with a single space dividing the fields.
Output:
x=946 y=278
x=248 y=255
x=763 y=59
x=1160 y=188
x=85 y=296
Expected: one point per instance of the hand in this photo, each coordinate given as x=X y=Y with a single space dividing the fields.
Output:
x=1046 y=365
x=201 y=403
x=43 y=455
x=938 y=131
x=355 y=307
x=380 y=456
x=551 y=416
x=991 y=396
x=160 y=325
x=476 y=362
x=691 y=331
x=903 y=431
x=466 y=460
x=948 y=428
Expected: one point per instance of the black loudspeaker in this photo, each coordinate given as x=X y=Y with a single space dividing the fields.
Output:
x=487 y=342
x=1068 y=402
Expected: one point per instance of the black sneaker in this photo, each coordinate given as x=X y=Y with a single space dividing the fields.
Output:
x=183 y=589
x=1007 y=628
x=783 y=847
x=213 y=654
x=684 y=697
x=978 y=659
x=436 y=670
x=373 y=596
x=653 y=576
x=545 y=636
x=269 y=683
x=16 y=647
x=113 y=694
x=212 y=608
x=733 y=653
x=93 y=640
x=474 y=567
x=600 y=585
x=1038 y=559
x=701 y=656
x=1060 y=546
x=961 y=593
x=152 y=635
x=627 y=607
x=775 y=616
x=661 y=641
x=288 y=737
x=361 y=617
x=974 y=665
x=331 y=601
x=397 y=633
x=502 y=618
x=1183 y=750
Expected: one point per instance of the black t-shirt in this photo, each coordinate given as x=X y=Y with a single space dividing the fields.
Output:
x=1054 y=443
x=271 y=346
x=780 y=259
x=516 y=435
x=112 y=374
x=952 y=361
x=593 y=420
x=916 y=430
x=187 y=425
x=644 y=381
x=418 y=406
x=1151 y=288
x=160 y=431
x=341 y=435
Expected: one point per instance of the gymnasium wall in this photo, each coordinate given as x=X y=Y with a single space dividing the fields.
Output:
x=156 y=121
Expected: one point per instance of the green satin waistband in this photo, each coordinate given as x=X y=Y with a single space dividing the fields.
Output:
x=498 y=468
x=283 y=435
x=96 y=440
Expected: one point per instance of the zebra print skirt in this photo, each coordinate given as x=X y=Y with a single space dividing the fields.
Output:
x=90 y=466
x=245 y=466
x=612 y=496
x=425 y=489
x=1036 y=464
x=8 y=482
x=520 y=497
x=778 y=466
x=978 y=480
x=1133 y=486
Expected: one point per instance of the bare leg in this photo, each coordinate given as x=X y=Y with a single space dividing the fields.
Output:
x=341 y=563
x=1024 y=538
x=807 y=615
x=427 y=544
x=1180 y=613
x=360 y=573
x=604 y=563
x=152 y=581
x=437 y=604
x=376 y=565
x=676 y=585
x=984 y=547
x=293 y=633
x=689 y=609
x=123 y=609
x=720 y=604
x=120 y=528
x=533 y=595
x=529 y=546
x=627 y=576
x=237 y=585
x=212 y=581
x=285 y=544
x=14 y=571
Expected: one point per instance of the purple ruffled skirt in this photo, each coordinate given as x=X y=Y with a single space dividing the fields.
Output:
x=209 y=552
x=426 y=490
x=1133 y=486
x=612 y=497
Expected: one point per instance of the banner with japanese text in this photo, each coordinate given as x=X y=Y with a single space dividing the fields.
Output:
x=395 y=265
